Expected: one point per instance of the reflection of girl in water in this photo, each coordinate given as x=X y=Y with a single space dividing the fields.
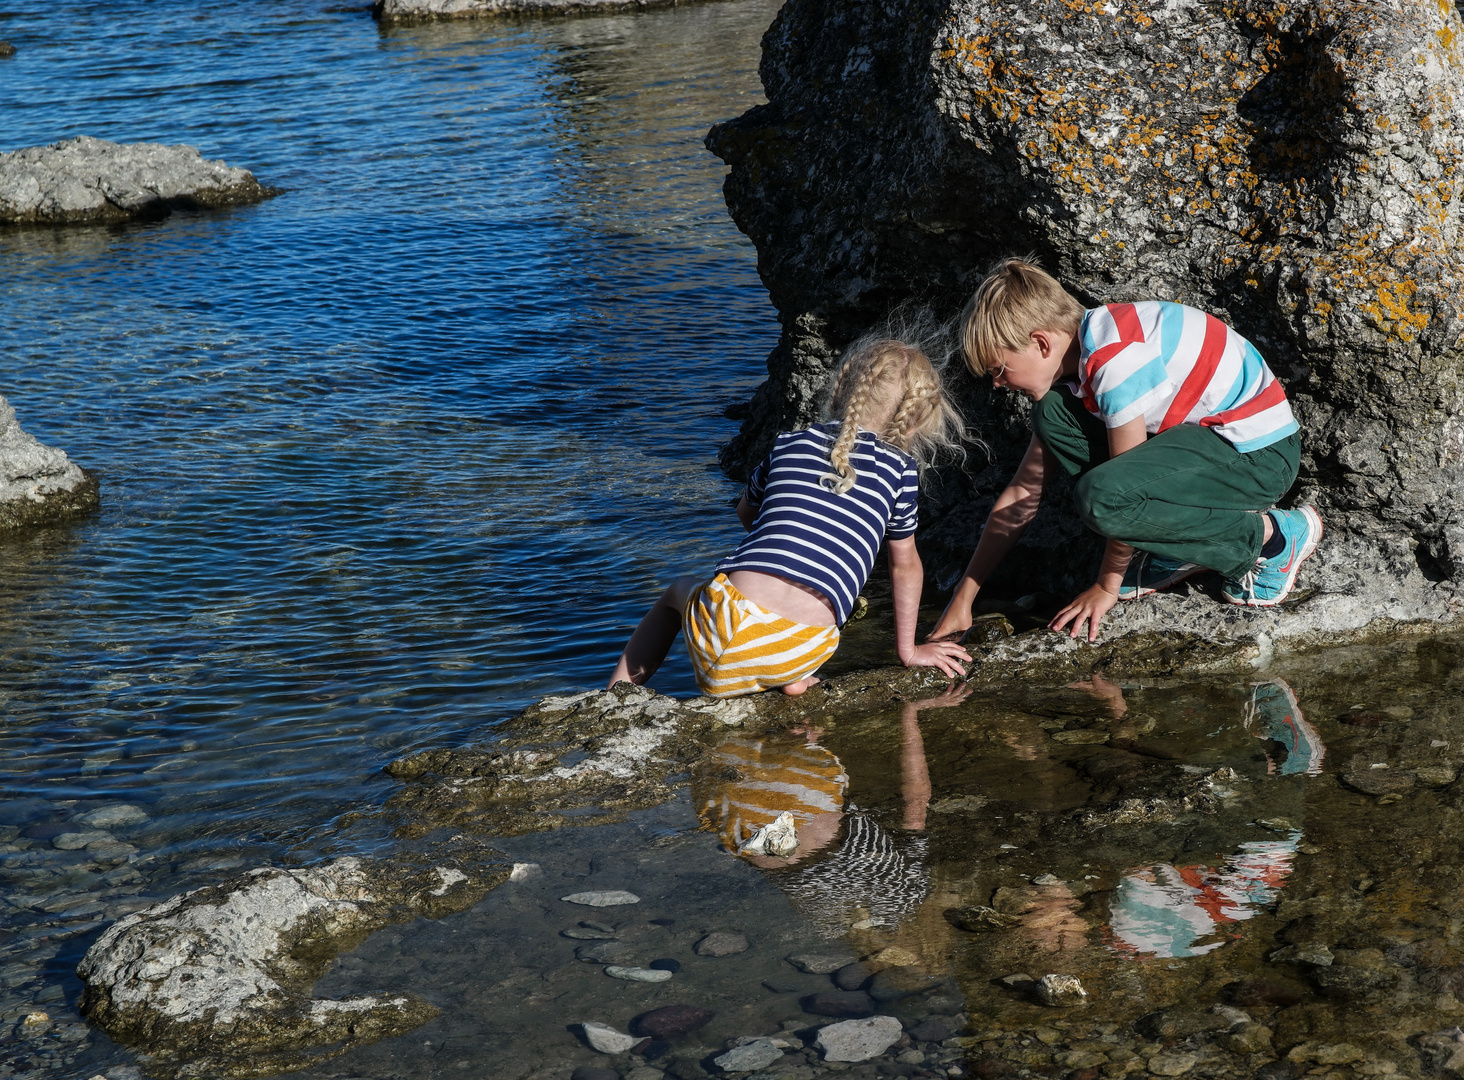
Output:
x=871 y=873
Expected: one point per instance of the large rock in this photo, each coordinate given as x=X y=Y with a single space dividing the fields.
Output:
x=1296 y=169
x=39 y=484
x=216 y=982
x=92 y=181
x=422 y=10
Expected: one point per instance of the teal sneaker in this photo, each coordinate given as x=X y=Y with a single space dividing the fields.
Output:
x=1148 y=573
x=1271 y=581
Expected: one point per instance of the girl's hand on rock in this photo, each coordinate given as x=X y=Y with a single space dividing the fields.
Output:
x=1089 y=607
x=939 y=654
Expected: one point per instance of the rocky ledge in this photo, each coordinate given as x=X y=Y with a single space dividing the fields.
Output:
x=1299 y=171
x=86 y=181
x=39 y=485
x=389 y=11
x=216 y=982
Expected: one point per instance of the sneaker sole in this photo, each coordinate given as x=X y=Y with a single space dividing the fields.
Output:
x=1313 y=538
x=1174 y=579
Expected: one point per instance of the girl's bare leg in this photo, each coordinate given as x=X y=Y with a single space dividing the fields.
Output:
x=793 y=689
x=655 y=635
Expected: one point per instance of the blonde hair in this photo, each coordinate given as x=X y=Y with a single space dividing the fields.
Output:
x=1013 y=301
x=882 y=375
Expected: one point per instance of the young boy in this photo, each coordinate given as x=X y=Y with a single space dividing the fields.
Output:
x=1180 y=435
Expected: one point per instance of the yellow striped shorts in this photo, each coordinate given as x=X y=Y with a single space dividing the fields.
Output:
x=737 y=647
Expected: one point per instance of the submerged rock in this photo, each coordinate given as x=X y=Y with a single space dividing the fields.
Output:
x=84 y=181
x=1297 y=170
x=39 y=485
x=389 y=11
x=859 y=1040
x=216 y=982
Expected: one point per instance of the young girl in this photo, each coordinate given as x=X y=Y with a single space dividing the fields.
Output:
x=816 y=510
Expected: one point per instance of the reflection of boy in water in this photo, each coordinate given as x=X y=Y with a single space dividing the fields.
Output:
x=871 y=870
x=1164 y=910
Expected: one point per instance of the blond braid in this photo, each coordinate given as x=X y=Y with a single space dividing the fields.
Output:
x=870 y=369
x=922 y=398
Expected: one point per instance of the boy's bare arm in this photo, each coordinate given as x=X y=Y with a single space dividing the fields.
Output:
x=907 y=575
x=1014 y=510
x=1098 y=599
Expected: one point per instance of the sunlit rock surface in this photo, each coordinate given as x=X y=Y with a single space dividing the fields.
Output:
x=1295 y=169
x=216 y=982
x=39 y=484
x=92 y=181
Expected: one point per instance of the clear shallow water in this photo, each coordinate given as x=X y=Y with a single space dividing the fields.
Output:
x=382 y=458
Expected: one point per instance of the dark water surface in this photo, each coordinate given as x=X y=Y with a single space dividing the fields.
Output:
x=383 y=458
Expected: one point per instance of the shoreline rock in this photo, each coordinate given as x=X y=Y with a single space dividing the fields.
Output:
x=216 y=981
x=39 y=484
x=89 y=181
x=1316 y=202
x=408 y=11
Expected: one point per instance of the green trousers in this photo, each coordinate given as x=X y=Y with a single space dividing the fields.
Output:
x=1184 y=494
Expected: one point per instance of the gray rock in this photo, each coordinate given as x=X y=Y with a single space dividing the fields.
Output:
x=637 y=974
x=1061 y=991
x=820 y=963
x=93 y=181
x=606 y=1039
x=75 y=841
x=852 y=976
x=218 y=980
x=722 y=943
x=1316 y=206
x=113 y=817
x=584 y=933
x=859 y=1040
x=6 y=49
x=613 y=898
x=39 y=484
x=749 y=1057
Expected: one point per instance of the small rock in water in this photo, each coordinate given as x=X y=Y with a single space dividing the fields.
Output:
x=1019 y=981
x=978 y=919
x=777 y=837
x=671 y=1021
x=859 y=1040
x=894 y=956
x=895 y=984
x=852 y=976
x=820 y=963
x=782 y=986
x=749 y=1057
x=722 y=943
x=593 y=1072
x=852 y=1003
x=665 y=963
x=6 y=49
x=584 y=933
x=75 y=841
x=1047 y=879
x=1061 y=991
x=1436 y=775
x=114 y=817
x=637 y=974
x=607 y=898
x=1378 y=781
x=606 y=1039
x=935 y=1029
x=605 y=952
x=523 y=871
x=1174 y=1063
x=644 y=1072
x=591 y=924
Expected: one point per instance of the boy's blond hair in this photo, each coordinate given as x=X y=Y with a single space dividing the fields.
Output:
x=1015 y=299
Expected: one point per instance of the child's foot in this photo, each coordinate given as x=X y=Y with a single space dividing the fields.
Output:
x=793 y=689
x=1148 y=573
x=1272 y=579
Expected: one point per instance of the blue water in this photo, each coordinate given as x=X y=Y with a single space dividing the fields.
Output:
x=390 y=455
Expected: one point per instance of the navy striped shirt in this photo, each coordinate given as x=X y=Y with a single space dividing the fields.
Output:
x=806 y=533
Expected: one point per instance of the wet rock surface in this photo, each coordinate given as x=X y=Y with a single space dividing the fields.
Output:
x=217 y=981
x=1313 y=200
x=86 y=181
x=39 y=484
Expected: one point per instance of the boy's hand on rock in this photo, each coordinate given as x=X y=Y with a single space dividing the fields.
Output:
x=1089 y=607
x=951 y=627
x=939 y=654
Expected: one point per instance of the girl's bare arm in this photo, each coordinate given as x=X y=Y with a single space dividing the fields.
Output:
x=907 y=575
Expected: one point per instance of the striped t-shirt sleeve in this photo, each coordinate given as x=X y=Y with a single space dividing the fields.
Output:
x=905 y=516
x=1124 y=368
x=757 y=482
